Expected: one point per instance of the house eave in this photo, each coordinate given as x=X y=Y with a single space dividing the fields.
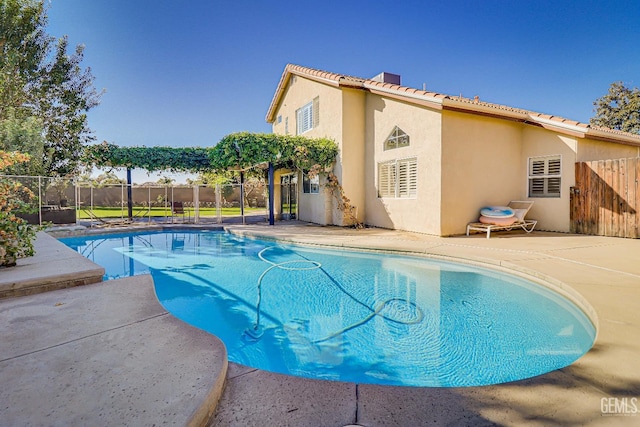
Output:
x=290 y=70
x=417 y=97
x=439 y=101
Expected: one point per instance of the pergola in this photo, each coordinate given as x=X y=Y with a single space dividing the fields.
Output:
x=237 y=152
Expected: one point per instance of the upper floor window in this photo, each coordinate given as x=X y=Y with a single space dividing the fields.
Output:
x=308 y=117
x=397 y=139
x=398 y=178
x=545 y=176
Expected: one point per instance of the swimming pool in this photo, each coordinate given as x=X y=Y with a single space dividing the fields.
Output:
x=352 y=316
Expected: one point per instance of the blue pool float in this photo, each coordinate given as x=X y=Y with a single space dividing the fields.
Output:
x=497 y=212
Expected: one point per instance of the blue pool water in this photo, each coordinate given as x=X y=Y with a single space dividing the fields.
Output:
x=350 y=316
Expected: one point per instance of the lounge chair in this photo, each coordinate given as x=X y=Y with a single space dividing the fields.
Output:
x=178 y=208
x=521 y=209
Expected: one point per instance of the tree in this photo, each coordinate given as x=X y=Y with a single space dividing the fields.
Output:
x=38 y=79
x=107 y=178
x=619 y=109
x=165 y=180
x=24 y=135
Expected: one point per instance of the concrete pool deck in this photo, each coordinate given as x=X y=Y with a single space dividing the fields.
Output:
x=592 y=391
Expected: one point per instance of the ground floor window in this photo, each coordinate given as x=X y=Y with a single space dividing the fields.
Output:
x=545 y=175
x=398 y=178
x=310 y=185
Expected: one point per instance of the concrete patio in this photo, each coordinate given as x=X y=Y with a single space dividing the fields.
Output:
x=49 y=360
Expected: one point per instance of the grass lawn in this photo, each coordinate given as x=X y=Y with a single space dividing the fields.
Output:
x=138 y=212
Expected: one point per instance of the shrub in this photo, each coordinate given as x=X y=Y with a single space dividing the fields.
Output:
x=16 y=235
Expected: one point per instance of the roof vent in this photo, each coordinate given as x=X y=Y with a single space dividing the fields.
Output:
x=387 y=78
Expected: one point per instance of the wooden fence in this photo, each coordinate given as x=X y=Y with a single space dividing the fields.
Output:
x=606 y=198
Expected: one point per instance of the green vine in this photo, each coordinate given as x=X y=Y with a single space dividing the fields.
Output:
x=151 y=159
x=236 y=151
x=342 y=201
x=244 y=150
x=241 y=150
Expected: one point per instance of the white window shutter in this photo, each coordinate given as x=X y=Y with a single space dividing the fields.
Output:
x=537 y=167
x=413 y=178
x=553 y=166
x=403 y=179
x=316 y=112
x=299 y=123
x=545 y=176
x=398 y=178
x=386 y=179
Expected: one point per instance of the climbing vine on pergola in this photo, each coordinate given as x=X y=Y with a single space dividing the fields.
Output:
x=237 y=151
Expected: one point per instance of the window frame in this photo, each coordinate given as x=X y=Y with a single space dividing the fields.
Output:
x=308 y=116
x=310 y=185
x=400 y=178
x=392 y=141
x=543 y=177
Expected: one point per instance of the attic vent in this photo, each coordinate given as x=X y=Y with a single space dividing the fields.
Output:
x=387 y=78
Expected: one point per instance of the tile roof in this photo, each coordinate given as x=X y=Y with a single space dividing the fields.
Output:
x=455 y=103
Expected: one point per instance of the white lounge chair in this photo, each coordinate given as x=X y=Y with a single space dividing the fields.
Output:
x=521 y=209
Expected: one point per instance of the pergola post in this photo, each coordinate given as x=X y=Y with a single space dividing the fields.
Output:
x=129 y=195
x=242 y=195
x=271 y=217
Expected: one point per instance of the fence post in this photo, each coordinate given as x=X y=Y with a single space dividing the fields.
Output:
x=218 y=210
x=121 y=202
x=76 y=190
x=91 y=205
x=165 y=202
x=39 y=200
x=196 y=203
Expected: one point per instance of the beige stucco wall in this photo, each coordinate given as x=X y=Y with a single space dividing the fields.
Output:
x=422 y=213
x=298 y=92
x=590 y=149
x=481 y=165
x=465 y=161
x=552 y=213
x=351 y=172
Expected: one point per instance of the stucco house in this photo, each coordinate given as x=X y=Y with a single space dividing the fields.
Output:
x=426 y=162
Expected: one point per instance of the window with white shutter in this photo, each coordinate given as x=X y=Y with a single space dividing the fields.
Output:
x=387 y=179
x=545 y=176
x=308 y=117
x=398 y=178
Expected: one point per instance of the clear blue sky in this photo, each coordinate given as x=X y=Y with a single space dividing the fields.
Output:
x=188 y=73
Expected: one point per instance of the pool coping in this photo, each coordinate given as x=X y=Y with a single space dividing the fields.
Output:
x=123 y=320
x=603 y=270
x=583 y=266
